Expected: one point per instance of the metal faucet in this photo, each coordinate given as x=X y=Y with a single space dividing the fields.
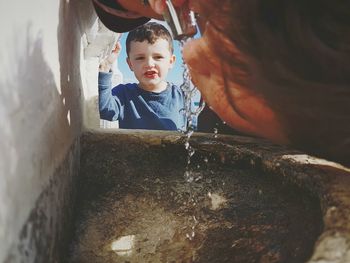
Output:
x=181 y=20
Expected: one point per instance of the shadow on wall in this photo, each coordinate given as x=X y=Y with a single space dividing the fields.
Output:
x=43 y=128
x=31 y=96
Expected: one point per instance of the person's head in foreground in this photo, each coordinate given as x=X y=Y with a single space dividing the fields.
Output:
x=282 y=70
x=279 y=69
x=150 y=55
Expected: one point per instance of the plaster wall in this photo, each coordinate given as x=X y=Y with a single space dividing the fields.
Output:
x=98 y=43
x=41 y=92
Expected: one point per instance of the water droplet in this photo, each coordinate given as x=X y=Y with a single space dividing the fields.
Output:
x=215 y=132
x=191 y=151
x=188 y=177
x=198 y=178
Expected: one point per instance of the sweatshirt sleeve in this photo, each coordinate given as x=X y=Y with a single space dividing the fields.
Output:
x=109 y=105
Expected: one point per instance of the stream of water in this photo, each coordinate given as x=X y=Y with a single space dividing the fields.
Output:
x=189 y=113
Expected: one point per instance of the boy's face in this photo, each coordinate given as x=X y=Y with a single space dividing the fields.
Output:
x=151 y=63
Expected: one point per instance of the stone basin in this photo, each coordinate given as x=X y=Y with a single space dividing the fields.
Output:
x=240 y=199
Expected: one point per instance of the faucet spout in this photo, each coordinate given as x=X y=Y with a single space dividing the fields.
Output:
x=181 y=21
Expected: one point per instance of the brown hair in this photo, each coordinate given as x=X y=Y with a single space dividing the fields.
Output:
x=301 y=55
x=151 y=32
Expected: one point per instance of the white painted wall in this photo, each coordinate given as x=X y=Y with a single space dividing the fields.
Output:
x=98 y=44
x=41 y=58
x=49 y=56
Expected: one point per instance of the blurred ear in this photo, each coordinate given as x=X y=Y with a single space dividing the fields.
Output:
x=129 y=63
x=172 y=61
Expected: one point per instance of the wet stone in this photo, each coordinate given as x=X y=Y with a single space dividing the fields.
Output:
x=146 y=212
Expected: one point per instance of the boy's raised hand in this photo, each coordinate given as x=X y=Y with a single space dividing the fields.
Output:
x=106 y=64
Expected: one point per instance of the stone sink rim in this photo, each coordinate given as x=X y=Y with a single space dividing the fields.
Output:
x=329 y=181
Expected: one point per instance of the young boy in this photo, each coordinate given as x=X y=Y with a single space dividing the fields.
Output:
x=153 y=103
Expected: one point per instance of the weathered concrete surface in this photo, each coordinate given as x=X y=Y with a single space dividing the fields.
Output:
x=47 y=231
x=40 y=116
x=329 y=182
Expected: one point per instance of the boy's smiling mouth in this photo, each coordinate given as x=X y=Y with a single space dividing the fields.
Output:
x=151 y=74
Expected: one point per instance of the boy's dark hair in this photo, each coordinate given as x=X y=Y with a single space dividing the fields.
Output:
x=151 y=32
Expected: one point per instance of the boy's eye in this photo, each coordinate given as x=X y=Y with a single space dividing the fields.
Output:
x=139 y=58
x=158 y=57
